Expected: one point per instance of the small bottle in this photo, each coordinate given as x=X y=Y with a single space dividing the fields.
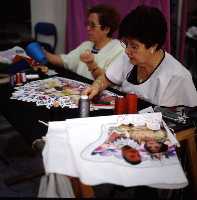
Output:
x=84 y=106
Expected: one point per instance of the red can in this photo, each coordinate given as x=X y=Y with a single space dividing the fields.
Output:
x=120 y=105
x=132 y=101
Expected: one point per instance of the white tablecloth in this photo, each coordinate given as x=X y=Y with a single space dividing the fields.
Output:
x=68 y=144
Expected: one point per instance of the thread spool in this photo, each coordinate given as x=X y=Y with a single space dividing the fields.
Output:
x=12 y=80
x=18 y=79
x=131 y=103
x=120 y=105
x=23 y=77
x=84 y=106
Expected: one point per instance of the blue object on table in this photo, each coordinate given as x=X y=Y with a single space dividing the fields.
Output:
x=35 y=51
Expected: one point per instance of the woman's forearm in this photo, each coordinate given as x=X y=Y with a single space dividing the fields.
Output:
x=54 y=59
x=95 y=70
x=101 y=83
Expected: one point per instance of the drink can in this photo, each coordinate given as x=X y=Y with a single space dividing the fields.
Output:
x=84 y=106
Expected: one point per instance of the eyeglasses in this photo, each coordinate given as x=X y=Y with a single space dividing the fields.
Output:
x=127 y=45
x=92 y=25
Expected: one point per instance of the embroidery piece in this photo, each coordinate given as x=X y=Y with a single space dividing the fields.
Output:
x=136 y=144
x=58 y=91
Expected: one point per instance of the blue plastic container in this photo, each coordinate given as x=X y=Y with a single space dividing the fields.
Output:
x=35 y=51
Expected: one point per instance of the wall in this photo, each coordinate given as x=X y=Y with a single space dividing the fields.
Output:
x=50 y=11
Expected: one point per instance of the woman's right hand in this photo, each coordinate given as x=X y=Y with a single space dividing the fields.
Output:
x=87 y=57
x=91 y=91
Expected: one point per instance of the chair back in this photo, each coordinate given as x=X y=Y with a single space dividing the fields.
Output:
x=46 y=29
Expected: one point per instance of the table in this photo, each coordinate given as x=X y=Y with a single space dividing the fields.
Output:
x=187 y=136
x=24 y=117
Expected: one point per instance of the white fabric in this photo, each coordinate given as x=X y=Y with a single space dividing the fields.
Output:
x=55 y=186
x=57 y=154
x=103 y=58
x=82 y=133
x=7 y=56
x=170 y=84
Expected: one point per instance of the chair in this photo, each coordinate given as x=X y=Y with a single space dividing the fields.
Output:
x=46 y=29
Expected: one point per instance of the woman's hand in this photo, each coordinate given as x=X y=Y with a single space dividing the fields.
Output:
x=87 y=57
x=99 y=85
x=91 y=91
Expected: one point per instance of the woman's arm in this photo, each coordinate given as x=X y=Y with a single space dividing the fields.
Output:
x=99 y=85
x=95 y=69
x=54 y=59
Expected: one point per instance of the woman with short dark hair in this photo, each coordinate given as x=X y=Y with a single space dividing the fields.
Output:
x=146 y=69
x=108 y=17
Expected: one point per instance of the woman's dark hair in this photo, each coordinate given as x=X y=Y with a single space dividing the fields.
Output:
x=145 y=24
x=108 y=17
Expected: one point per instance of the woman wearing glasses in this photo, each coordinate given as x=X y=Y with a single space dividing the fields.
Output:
x=146 y=69
x=92 y=57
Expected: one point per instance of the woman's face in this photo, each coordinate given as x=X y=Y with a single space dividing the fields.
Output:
x=136 y=51
x=131 y=155
x=95 y=33
x=153 y=146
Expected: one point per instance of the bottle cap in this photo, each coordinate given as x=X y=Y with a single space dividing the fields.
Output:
x=84 y=97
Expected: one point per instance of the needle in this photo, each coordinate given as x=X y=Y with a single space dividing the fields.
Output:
x=46 y=124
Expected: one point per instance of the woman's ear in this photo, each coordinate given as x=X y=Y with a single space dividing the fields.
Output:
x=106 y=30
x=153 y=49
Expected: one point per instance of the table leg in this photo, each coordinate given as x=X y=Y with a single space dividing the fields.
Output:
x=191 y=147
x=81 y=190
x=87 y=191
x=189 y=137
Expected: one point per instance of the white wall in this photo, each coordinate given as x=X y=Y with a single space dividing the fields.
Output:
x=50 y=11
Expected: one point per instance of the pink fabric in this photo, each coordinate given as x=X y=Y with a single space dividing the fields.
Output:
x=76 y=31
